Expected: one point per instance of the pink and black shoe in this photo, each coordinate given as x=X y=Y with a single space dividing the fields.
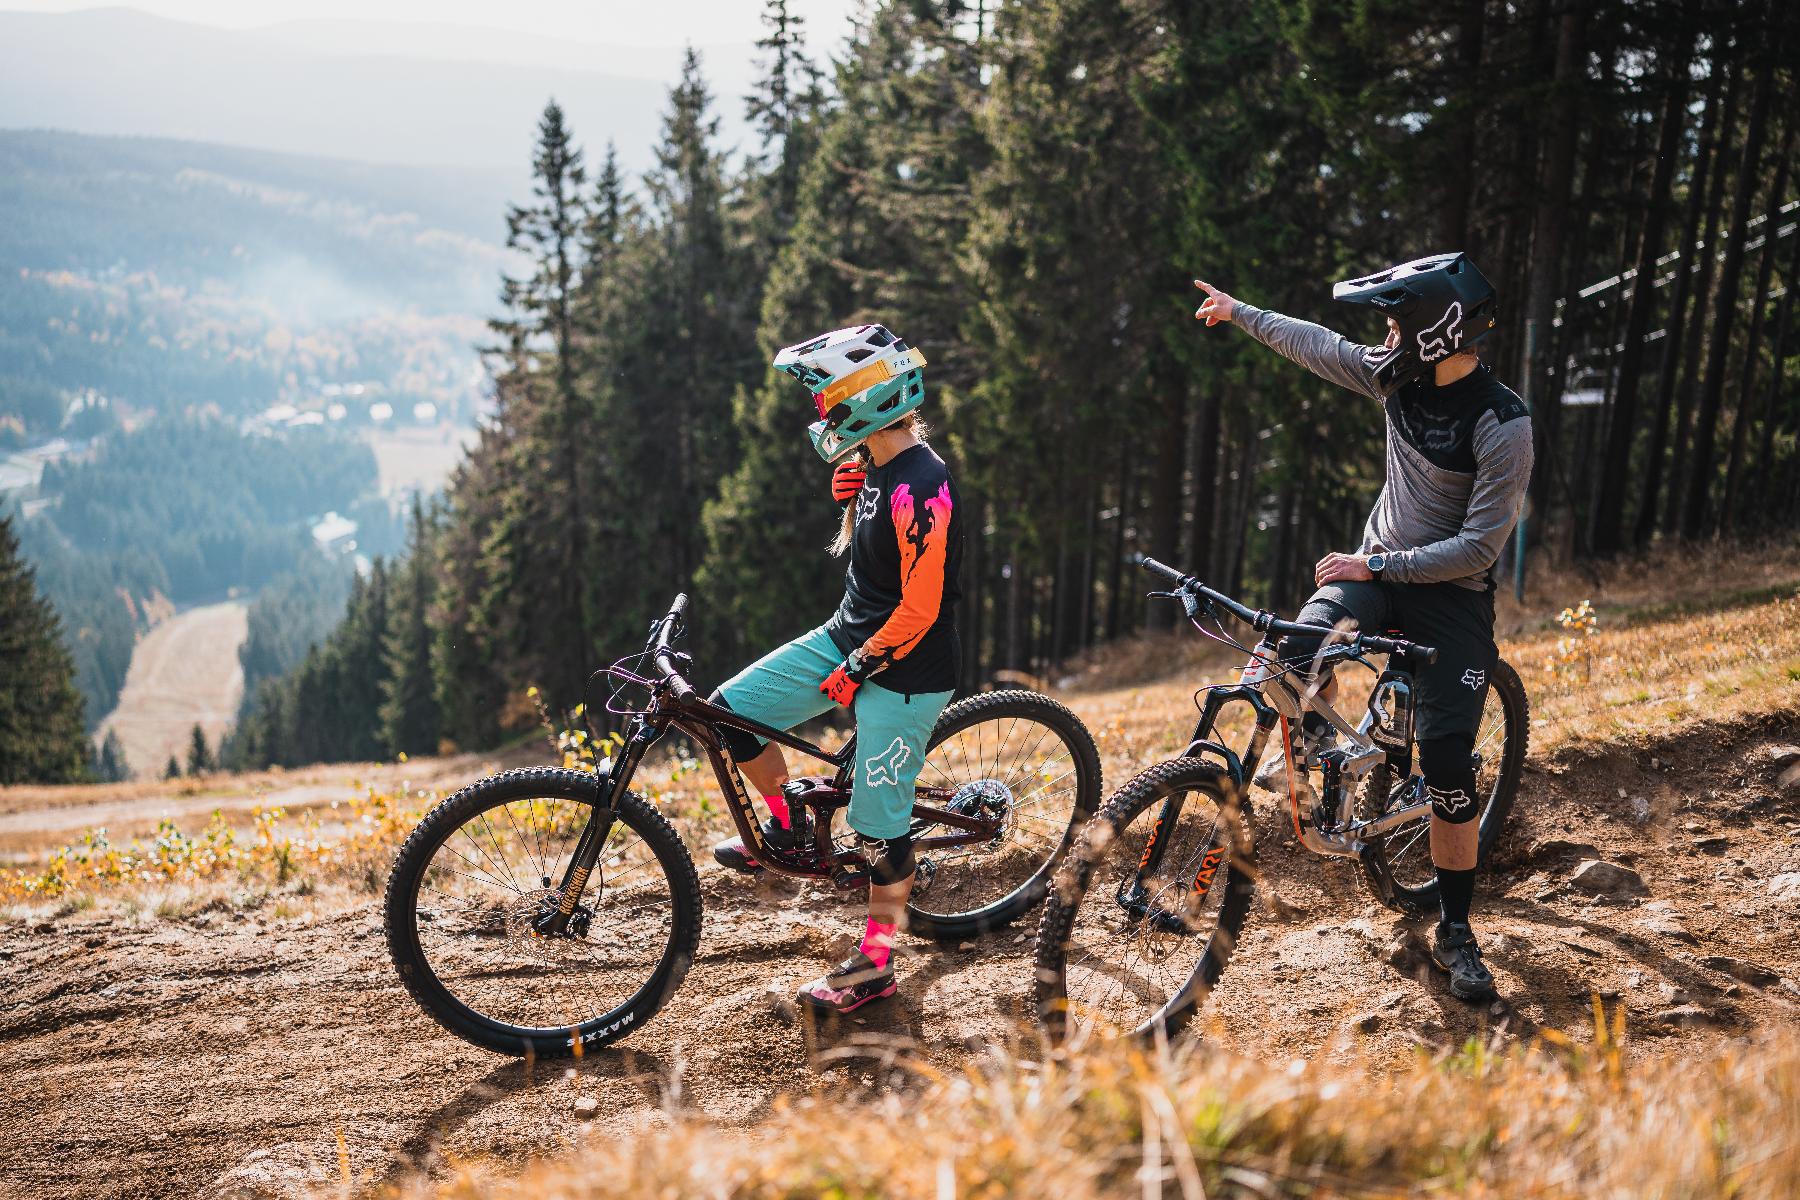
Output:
x=849 y=985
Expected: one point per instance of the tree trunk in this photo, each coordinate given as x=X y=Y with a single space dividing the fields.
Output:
x=1706 y=420
x=1686 y=266
x=1209 y=489
x=1765 y=453
x=1165 y=485
x=1610 y=510
x=1461 y=184
x=1549 y=222
x=1746 y=389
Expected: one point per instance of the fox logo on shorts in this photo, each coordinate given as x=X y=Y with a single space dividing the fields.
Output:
x=1444 y=337
x=1474 y=679
x=886 y=766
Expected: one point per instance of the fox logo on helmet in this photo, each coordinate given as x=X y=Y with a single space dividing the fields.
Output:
x=1443 y=338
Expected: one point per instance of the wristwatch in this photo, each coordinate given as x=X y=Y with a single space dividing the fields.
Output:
x=1377 y=563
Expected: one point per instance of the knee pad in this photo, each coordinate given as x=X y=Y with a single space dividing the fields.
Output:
x=1449 y=769
x=890 y=859
x=742 y=744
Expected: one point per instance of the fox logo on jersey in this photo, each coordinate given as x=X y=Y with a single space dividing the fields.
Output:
x=1444 y=337
x=886 y=766
x=1473 y=679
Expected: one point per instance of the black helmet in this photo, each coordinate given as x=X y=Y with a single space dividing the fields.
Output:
x=1442 y=303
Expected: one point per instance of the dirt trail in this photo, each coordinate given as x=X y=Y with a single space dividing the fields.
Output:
x=225 y=1054
x=185 y=670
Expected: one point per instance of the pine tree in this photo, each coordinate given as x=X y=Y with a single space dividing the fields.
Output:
x=173 y=769
x=785 y=107
x=199 y=755
x=41 y=735
x=533 y=555
x=409 y=710
x=109 y=760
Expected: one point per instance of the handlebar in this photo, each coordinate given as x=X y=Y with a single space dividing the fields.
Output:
x=667 y=629
x=1264 y=621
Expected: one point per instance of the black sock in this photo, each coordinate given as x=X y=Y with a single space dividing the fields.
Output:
x=1455 y=890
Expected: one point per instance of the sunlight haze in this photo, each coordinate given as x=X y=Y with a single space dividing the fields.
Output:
x=609 y=23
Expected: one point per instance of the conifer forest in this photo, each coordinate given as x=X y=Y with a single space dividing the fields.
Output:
x=1026 y=191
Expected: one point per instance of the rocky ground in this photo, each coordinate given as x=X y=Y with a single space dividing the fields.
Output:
x=239 y=1052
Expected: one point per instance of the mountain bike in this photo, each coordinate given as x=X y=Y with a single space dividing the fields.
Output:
x=1144 y=914
x=549 y=911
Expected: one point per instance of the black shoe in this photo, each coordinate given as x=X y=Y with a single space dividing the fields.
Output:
x=1454 y=949
x=849 y=985
x=781 y=839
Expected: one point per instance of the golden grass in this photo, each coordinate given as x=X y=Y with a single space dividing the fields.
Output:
x=1547 y=1121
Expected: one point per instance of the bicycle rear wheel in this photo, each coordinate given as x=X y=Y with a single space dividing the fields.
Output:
x=485 y=864
x=1404 y=855
x=1020 y=757
x=1144 y=915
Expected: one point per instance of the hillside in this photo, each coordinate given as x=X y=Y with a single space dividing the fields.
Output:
x=127 y=994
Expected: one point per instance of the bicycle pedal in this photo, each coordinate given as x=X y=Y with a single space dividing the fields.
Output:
x=850 y=879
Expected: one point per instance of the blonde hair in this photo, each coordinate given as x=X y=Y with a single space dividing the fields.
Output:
x=915 y=425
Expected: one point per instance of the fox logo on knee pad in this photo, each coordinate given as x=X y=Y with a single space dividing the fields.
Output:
x=1452 y=804
x=1443 y=338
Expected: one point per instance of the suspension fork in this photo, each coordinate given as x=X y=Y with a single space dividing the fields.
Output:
x=1201 y=745
x=594 y=834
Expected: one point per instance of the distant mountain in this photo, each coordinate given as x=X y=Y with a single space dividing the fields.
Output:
x=452 y=42
x=315 y=89
x=164 y=275
x=188 y=212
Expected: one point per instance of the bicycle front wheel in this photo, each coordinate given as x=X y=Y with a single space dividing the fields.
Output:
x=1029 y=762
x=1146 y=912
x=482 y=868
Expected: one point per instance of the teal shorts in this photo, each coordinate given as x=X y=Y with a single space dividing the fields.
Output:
x=782 y=689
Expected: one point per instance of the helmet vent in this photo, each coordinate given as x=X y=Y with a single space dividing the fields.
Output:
x=880 y=336
x=858 y=354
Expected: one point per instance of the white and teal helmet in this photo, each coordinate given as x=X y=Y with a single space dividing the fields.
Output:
x=863 y=379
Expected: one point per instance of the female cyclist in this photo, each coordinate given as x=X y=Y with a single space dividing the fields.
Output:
x=889 y=653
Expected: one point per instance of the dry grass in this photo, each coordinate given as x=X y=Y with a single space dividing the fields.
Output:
x=1549 y=1120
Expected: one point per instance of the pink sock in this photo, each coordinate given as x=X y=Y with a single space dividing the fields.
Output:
x=878 y=942
x=778 y=808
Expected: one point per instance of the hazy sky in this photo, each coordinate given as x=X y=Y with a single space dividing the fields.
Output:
x=607 y=22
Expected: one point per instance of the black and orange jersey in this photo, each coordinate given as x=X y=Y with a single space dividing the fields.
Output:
x=901 y=589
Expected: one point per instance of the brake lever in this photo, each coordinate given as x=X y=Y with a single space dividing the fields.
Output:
x=1195 y=606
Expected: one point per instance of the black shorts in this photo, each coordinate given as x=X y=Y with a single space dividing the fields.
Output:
x=1457 y=620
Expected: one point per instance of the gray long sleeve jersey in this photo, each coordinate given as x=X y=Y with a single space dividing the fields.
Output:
x=1458 y=457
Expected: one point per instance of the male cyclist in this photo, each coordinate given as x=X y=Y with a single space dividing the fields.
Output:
x=889 y=653
x=1458 y=464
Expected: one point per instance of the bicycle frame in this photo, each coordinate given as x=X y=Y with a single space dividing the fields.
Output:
x=1348 y=836
x=701 y=720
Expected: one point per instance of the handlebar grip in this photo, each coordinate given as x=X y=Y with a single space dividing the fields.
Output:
x=1155 y=568
x=678 y=610
x=1422 y=656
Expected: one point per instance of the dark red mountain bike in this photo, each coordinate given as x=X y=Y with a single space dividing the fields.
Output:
x=547 y=911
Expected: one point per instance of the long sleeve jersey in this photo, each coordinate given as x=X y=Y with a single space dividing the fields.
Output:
x=901 y=588
x=1458 y=457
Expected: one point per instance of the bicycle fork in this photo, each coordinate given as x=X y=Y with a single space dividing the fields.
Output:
x=588 y=847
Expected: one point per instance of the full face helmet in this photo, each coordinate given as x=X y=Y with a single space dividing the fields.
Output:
x=863 y=379
x=1442 y=304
